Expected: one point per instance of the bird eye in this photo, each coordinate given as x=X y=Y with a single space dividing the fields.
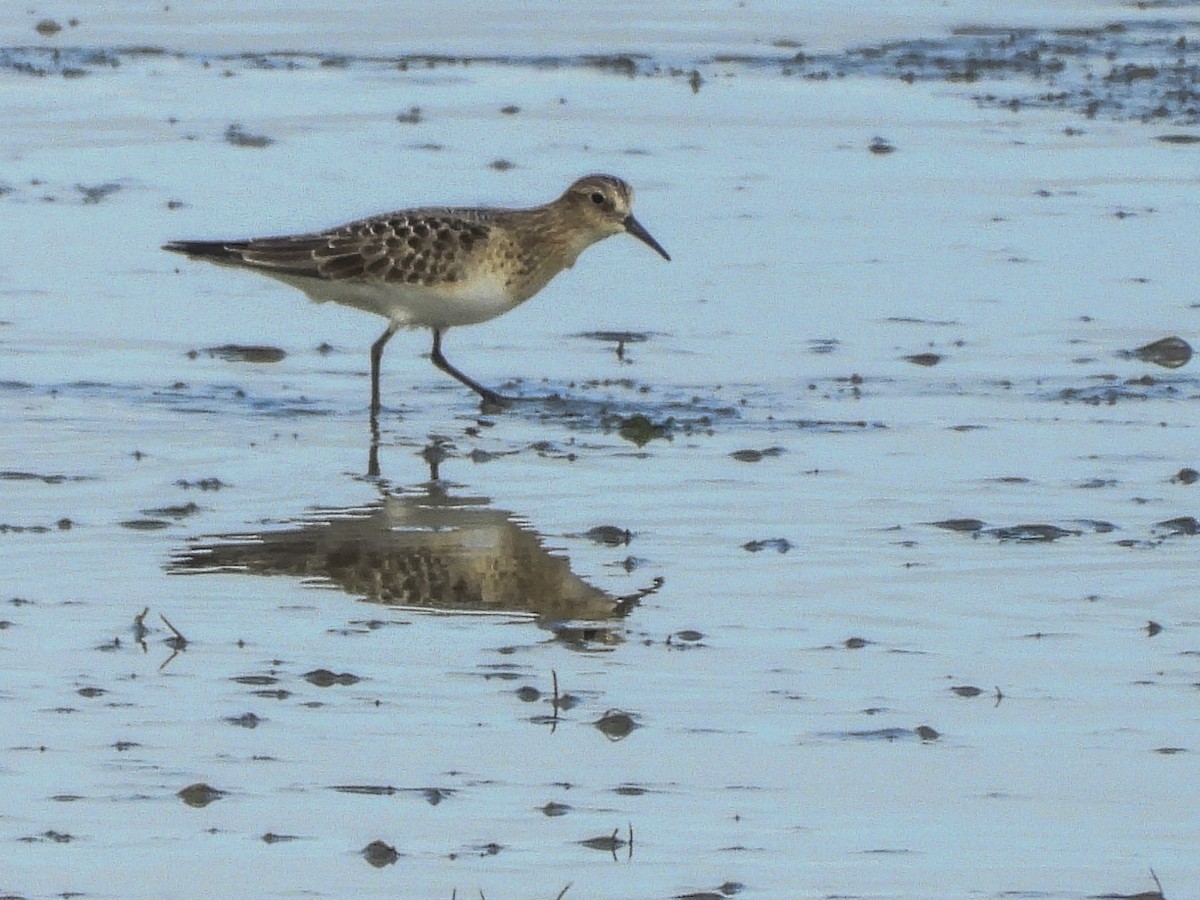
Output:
x=597 y=198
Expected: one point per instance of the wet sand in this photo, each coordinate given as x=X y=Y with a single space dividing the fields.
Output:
x=851 y=553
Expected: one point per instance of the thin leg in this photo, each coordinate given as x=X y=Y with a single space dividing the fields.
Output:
x=376 y=358
x=442 y=363
x=373 y=450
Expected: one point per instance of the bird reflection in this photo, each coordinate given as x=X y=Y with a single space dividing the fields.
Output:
x=425 y=549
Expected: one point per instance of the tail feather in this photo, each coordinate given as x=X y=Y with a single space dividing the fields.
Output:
x=208 y=249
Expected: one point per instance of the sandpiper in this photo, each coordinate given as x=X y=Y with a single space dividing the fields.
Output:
x=436 y=267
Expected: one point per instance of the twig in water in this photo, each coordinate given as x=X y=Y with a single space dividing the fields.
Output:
x=179 y=641
x=139 y=628
x=1158 y=884
x=554 y=718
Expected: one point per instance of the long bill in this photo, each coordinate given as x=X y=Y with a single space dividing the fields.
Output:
x=634 y=227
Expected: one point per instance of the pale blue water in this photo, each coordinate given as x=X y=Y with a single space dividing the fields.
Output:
x=805 y=269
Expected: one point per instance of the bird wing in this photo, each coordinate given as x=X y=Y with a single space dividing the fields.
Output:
x=410 y=245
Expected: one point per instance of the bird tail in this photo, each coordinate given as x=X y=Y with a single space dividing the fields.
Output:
x=215 y=250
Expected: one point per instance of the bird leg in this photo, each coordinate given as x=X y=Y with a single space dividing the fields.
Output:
x=376 y=358
x=436 y=357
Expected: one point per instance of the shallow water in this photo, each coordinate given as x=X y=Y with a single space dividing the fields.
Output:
x=719 y=583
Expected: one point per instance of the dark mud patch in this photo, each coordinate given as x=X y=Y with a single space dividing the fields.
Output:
x=968 y=526
x=1044 y=533
x=12 y=475
x=608 y=535
x=1169 y=352
x=199 y=795
x=222 y=398
x=202 y=484
x=146 y=524
x=619 y=339
x=610 y=843
x=922 y=733
x=1146 y=69
x=95 y=193
x=1133 y=69
x=236 y=135
x=431 y=795
x=1026 y=533
x=629 y=411
x=753 y=456
x=616 y=724
x=327 y=678
x=728 y=889
x=927 y=360
x=380 y=854
x=837 y=426
x=10 y=528
x=177 y=512
x=779 y=545
x=248 y=353
x=246 y=720
x=1181 y=526
x=1110 y=390
x=640 y=430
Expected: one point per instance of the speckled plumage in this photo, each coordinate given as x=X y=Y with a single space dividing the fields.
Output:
x=438 y=267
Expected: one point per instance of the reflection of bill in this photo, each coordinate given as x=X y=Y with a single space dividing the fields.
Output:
x=425 y=550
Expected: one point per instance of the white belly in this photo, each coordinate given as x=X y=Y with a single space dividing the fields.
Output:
x=428 y=306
